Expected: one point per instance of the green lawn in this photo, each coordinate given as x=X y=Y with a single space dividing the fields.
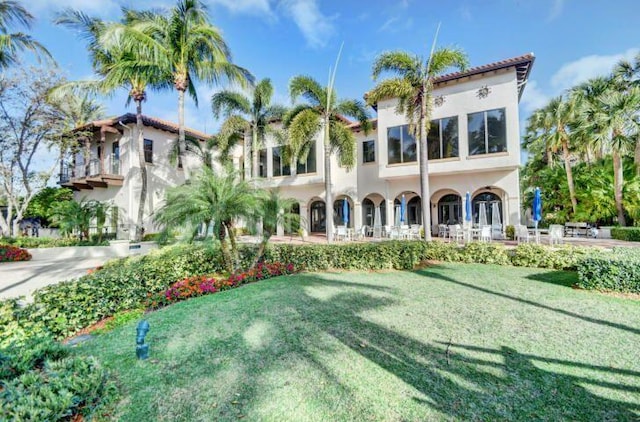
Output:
x=451 y=342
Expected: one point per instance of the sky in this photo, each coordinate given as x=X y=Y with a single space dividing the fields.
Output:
x=572 y=40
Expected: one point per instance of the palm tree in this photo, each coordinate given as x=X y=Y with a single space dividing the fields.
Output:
x=626 y=74
x=551 y=125
x=612 y=119
x=119 y=63
x=323 y=112
x=189 y=47
x=13 y=13
x=413 y=87
x=215 y=200
x=274 y=210
x=74 y=216
x=248 y=114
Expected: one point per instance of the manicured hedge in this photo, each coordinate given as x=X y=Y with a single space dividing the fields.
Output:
x=626 y=233
x=618 y=270
x=51 y=242
x=10 y=253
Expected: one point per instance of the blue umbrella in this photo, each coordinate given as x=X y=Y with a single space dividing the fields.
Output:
x=403 y=209
x=345 y=211
x=537 y=207
x=468 y=216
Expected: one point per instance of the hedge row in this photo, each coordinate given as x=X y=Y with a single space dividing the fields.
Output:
x=618 y=270
x=51 y=242
x=63 y=309
x=631 y=234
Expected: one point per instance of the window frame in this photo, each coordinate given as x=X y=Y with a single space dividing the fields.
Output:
x=312 y=153
x=402 y=130
x=441 y=138
x=266 y=163
x=282 y=165
x=364 y=153
x=485 y=122
x=148 y=152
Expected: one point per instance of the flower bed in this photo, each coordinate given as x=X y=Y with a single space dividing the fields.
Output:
x=204 y=284
x=10 y=253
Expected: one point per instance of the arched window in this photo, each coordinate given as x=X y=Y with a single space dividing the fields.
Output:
x=450 y=210
x=318 y=214
x=484 y=203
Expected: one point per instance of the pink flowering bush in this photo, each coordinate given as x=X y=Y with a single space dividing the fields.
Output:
x=10 y=253
x=204 y=284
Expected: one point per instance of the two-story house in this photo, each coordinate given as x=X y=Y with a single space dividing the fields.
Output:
x=474 y=146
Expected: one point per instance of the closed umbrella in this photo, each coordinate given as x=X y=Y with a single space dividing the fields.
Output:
x=495 y=214
x=482 y=215
x=403 y=210
x=397 y=217
x=345 y=211
x=468 y=215
x=537 y=208
x=377 y=223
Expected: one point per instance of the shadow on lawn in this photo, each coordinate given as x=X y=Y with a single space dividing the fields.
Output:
x=439 y=276
x=456 y=379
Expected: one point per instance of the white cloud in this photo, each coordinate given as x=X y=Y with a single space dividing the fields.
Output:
x=396 y=24
x=252 y=7
x=91 y=7
x=556 y=10
x=587 y=67
x=314 y=25
x=465 y=12
x=533 y=98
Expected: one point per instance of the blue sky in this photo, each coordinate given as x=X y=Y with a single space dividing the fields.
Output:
x=572 y=40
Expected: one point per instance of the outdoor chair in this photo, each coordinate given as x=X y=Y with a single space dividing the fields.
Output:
x=387 y=231
x=442 y=230
x=556 y=234
x=377 y=232
x=456 y=232
x=522 y=234
x=362 y=233
x=414 y=231
x=341 y=233
x=485 y=234
x=496 y=231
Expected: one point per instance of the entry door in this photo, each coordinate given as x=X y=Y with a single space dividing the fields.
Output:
x=449 y=213
x=318 y=217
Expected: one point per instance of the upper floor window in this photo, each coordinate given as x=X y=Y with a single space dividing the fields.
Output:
x=280 y=166
x=262 y=163
x=148 y=151
x=369 y=152
x=487 y=132
x=401 y=145
x=308 y=166
x=442 y=141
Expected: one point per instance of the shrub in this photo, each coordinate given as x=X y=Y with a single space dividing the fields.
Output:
x=10 y=253
x=618 y=270
x=510 y=232
x=50 y=242
x=40 y=381
x=485 y=253
x=560 y=258
x=631 y=234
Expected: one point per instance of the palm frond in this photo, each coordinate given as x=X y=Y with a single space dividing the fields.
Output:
x=309 y=89
x=398 y=62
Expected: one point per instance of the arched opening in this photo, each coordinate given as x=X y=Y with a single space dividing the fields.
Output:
x=412 y=212
x=450 y=209
x=317 y=217
x=343 y=216
x=372 y=203
x=483 y=208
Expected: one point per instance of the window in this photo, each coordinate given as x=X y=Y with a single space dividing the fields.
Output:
x=310 y=165
x=442 y=141
x=402 y=145
x=280 y=166
x=487 y=132
x=262 y=163
x=148 y=151
x=369 y=152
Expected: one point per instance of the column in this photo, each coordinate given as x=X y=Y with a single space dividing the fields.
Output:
x=357 y=215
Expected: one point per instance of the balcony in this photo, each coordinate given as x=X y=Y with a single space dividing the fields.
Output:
x=96 y=174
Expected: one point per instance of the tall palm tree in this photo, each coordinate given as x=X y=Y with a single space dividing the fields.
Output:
x=552 y=123
x=413 y=87
x=119 y=63
x=214 y=200
x=626 y=74
x=250 y=113
x=325 y=112
x=612 y=119
x=11 y=43
x=188 y=47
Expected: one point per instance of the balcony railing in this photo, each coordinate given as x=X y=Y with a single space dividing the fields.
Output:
x=78 y=173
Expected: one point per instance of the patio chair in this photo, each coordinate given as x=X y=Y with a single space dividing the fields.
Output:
x=496 y=231
x=362 y=233
x=341 y=233
x=485 y=234
x=442 y=230
x=377 y=232
x=414 y=231
x=456 y=232
x=386 y=231
x=522 y=234
x=556 y=234
x=394 y=233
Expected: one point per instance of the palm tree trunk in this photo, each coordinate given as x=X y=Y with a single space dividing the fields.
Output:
x=567 y=168
x=224 y=248
x=618 y=181
x=254 y=153
x=143 y=172
x=181 y=136
x=327 y=182
x=424 y=168
x=636 y=157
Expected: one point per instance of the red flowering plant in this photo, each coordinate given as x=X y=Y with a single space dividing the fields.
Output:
x=204 y=284
x=10 y=253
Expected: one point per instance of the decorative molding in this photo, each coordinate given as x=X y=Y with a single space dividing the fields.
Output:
x=484 y=92
x=439 y=100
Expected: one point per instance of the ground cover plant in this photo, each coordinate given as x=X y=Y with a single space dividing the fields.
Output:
x=9 y=253
x=448 y=342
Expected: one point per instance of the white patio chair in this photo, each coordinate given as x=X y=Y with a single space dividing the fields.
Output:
x=362 y=233
x=496 y=231
x=485 y=234
x=456 y=232
x=556 y=234
x=522 y=234
x=341 y=233
x=387 y=231
x=394 y=233
x=414 y=231
x=442 y=230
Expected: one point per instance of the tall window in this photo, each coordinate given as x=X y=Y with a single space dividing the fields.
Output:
x=402 y=145
x=280 y=167
x=262 y=163
x=442 y=141
x=310 y=165
x=148 y=151
x=487 y=132
x=369 y=152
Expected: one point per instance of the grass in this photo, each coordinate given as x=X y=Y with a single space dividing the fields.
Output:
x=450 y=342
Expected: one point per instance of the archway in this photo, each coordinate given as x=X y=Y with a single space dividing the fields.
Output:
x=450 y=209
x=487 y=200
x=317 y=217
x=369 y=205
x=413 y=211
x=338 y=212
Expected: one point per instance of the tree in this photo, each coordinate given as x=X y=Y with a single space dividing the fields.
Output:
x=119 y=62
x=626 y=74
x=274 y=210
x=188 y=47
x=413 y=87
x=248 y=114
x=13 y=13
x=551 y=125
x=30 y=125
x=73 y=217
x=210 y=200
x=323 y=112
x=41 y=206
